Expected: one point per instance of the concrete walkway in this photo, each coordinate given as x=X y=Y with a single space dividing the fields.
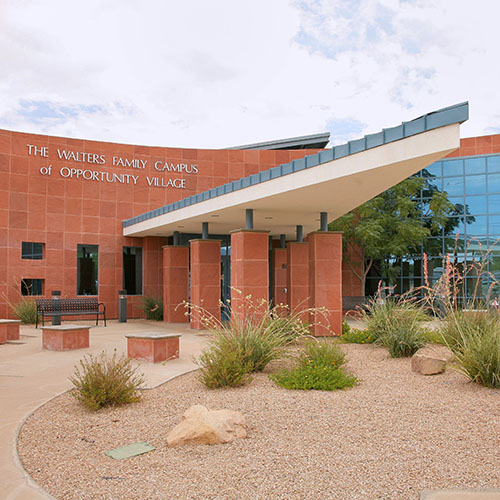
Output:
x=30 y=376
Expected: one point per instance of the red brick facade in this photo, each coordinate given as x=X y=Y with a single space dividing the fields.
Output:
x=78 y=192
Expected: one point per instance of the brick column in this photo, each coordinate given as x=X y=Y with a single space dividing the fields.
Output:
x=205 y=279
x=249 y=268
x=298 y=275
x=280 y=260
x=175 y=283
x=325 y=279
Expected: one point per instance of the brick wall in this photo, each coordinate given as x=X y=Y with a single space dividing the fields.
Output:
x=62 y=212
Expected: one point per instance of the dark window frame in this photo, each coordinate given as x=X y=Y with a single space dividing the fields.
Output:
x=30 y=285
x=134 y=284
x=32 y=250
x=86 y=282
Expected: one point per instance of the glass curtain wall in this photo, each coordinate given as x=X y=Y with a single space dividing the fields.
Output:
x=473 y=185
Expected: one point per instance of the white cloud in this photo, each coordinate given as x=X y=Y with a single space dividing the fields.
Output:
x=221 y=73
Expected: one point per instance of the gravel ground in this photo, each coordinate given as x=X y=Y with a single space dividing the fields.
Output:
x=391 y=436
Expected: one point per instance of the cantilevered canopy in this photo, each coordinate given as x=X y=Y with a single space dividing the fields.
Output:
x=334 y=181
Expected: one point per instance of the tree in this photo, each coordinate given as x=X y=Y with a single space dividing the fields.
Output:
x=394 y=224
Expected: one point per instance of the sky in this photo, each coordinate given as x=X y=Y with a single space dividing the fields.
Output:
x=222 y=73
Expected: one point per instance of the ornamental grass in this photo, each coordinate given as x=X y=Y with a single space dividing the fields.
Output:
x=248 y=342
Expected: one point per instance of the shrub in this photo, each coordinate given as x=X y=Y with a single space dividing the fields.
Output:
x=396 y=324
x=247 y=343
x=25 y=310
x=221 y=366
x=101 y=381
x=319 y=367
x=153 y=308
x=474 y=340
x=345 y=327
x=472 y=335
x=357 y=337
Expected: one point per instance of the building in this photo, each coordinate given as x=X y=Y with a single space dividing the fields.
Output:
x=471 y=177
x=91 y=218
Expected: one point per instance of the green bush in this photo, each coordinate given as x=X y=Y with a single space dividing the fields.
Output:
x=223 y=366
x=101 y=381
x=319 y=367
x=25 y=310
x=247 y=342
x=153 y=308
x=474 y=340
x=345 y=327
x=396 y=324
x=238 y=348
x=355 y=336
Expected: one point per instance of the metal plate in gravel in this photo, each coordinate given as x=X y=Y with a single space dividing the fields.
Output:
x=131 y=450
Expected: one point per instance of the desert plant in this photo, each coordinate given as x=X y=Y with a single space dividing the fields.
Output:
x=247 y=342
x=153 y=308
x=25 y=310
x=319 y=367
x=474 y=340
x=355 y=336
x=470 y=328
x=345 y=327
x=223 y=366
x=395 y=323
x=106 y=381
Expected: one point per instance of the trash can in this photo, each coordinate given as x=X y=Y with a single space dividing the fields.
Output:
x=122 y=306
x=56 y=318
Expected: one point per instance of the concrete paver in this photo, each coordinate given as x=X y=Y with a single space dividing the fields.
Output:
x=30 y=376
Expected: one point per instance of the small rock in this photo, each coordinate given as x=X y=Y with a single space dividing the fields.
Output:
x=203 y=426
x=427 y=365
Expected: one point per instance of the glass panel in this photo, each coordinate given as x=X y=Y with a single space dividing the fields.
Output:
x=476 y=204
x=475 y=184
x=494 y=183
x=433 y=246
x=453 y=185
x=453 y=167
x=435 y=267
x=86 y=271
x=493 y=203
x=31 y=250
x=476 y=245
x=493 y=163
x=456 y=225
x=457 y=200
x=411 y=266
x=475 y=166
x=408 y=284
x=132 y=270
x=494 y=225
x=454 y=245
x=478 y=227
x=432 y=170
x=495 y=265
x=31 y=286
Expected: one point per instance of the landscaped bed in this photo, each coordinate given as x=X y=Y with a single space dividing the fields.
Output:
x=391 y=436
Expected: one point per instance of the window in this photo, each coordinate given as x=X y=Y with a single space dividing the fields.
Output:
x=31 y=250
x=31 y=286
x=132 y=270
x=87 y=266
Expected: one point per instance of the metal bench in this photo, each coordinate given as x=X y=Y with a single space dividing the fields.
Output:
x=81 y=306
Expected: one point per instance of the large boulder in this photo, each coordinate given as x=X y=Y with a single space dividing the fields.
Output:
x=203 y=426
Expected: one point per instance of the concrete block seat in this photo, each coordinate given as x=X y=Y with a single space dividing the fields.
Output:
x=9 y=330
x=65 y=337
x=154 y=347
